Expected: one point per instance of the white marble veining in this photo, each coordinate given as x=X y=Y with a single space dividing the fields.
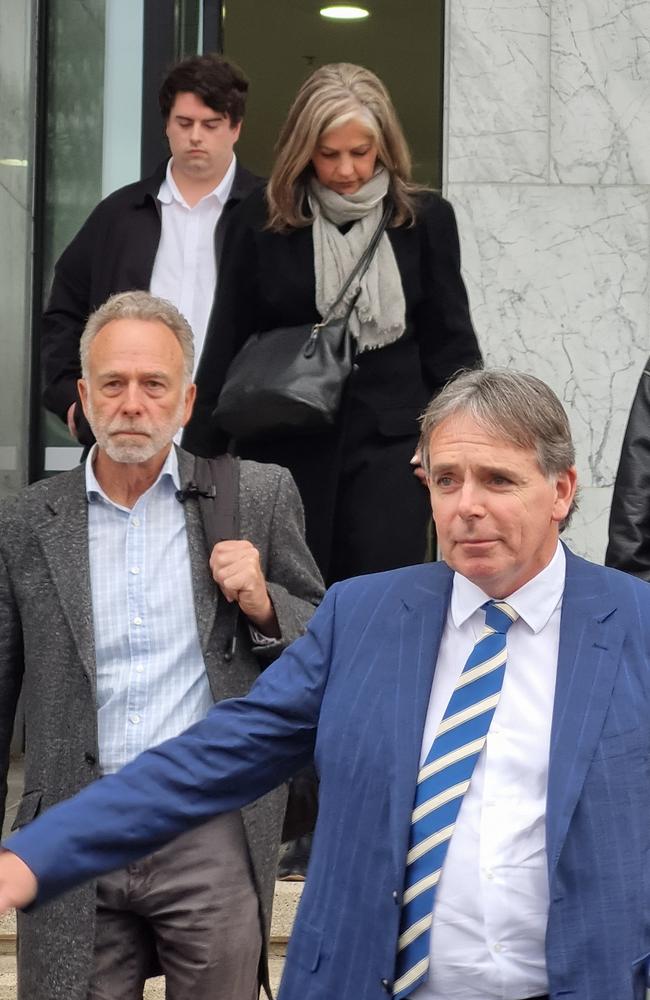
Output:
x=600 y=92
x=497 y=91
x=558 y=284
x=547 y=162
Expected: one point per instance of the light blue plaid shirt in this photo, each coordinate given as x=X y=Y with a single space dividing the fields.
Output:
x=151 y=678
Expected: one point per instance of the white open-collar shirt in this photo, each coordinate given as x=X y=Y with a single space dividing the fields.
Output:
x=490 y=914
x=185 y=268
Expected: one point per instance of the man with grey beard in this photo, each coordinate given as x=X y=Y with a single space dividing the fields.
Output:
x=115 y=620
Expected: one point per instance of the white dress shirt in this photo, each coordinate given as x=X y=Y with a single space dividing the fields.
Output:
x=185 y=268
x=151 y=677
x=491 y=909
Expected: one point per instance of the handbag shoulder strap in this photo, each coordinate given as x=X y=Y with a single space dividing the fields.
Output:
x=363 y=263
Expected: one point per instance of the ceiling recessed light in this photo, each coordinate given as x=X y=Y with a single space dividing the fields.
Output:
x=344 y=12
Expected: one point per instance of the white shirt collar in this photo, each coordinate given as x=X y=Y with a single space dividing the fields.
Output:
x=94 y=490
x=535 y=602
x=169 y=192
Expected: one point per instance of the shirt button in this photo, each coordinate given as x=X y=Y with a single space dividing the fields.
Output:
x=499 y=947
x=135 y=570
x=137 y=620
x=489 y=873
x=135 y=719
x=135 y=521
x=139 y=669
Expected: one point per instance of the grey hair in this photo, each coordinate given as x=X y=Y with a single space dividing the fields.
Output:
x=517 y=406
x=148 y=308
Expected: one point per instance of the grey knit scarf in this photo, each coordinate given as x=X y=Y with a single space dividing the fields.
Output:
x=378 y=317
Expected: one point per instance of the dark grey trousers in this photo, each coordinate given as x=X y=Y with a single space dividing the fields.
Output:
x=189 y=911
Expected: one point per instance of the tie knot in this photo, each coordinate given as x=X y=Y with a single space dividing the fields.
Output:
x=499 y=616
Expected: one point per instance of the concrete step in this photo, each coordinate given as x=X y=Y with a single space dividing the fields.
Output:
x=285 y=904
x=287 y=896
x=8 y=934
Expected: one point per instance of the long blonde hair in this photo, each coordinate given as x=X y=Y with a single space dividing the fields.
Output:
x=330 y=97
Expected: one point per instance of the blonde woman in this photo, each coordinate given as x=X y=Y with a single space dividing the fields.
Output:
x=341 y=158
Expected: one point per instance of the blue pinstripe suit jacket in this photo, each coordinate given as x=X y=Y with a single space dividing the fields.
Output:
x=354 y=692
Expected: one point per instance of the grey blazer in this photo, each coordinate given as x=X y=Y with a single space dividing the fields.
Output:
x=47 y=647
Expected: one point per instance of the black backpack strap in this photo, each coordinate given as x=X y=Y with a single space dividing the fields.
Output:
x=217 y=490
x=217 y=481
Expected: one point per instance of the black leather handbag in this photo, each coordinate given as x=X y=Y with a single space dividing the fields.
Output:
x=291 y=379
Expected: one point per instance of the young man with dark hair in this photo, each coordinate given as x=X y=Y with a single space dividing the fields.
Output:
x=163 y=234
x=219 y=83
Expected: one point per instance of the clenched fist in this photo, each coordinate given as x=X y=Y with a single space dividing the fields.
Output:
x=17 y=882
x=236 y=568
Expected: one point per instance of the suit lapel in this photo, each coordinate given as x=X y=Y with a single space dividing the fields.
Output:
x=421 y=620
x=204 y=589
x=589 y=654
x=588 y=659
x=63 y=535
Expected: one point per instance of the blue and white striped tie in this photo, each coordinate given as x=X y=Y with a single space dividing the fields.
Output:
x=442 y=782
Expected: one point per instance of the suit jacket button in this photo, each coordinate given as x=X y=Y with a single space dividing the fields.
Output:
x=387 y=985
x=90 y=758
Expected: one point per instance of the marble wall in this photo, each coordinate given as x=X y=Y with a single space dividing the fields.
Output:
x=547 y=163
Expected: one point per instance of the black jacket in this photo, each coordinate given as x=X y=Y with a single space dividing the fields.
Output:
x=267 y=280
x=114 y=251
x=629 y=519
x=356 y=480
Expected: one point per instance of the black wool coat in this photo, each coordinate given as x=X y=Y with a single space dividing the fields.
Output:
x=114 y=251
x=364 y=509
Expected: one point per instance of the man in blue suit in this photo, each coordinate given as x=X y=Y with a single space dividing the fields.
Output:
x=539 y=882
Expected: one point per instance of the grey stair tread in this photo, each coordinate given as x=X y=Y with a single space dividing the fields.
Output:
x=154 y=989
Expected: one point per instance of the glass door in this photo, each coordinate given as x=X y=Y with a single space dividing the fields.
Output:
x=16 y=171
x=104 y=60
x=279 y=42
